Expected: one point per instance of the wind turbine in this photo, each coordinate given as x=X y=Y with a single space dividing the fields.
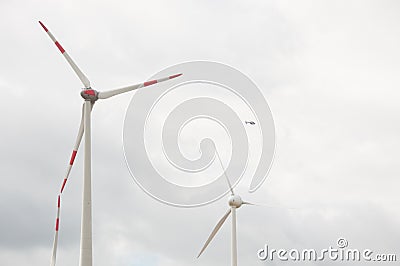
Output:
x=235 y=202
x=90 y=96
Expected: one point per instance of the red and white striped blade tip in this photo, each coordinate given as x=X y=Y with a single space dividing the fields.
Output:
x=175 y=76
x=43 y=26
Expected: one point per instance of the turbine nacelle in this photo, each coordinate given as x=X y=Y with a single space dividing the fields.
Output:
x=235 y=201
x=90 y=95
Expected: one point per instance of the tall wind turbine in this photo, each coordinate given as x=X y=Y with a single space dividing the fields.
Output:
x=90 y=96
x=235 y=202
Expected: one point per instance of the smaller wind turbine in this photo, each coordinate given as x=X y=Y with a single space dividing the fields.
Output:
x=235 y=202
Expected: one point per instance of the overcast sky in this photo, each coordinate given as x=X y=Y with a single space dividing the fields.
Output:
x=328 y=69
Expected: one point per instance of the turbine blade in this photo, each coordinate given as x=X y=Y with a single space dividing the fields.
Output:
x=110 y=93
x=71 y=162
x=214 y=232
x=226 y=176
x=80 y=74
x=270 y=206
x=74 y=151
x=249 y=203
x=55 y=243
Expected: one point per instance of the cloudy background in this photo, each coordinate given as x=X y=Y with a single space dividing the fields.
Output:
x=328 y=69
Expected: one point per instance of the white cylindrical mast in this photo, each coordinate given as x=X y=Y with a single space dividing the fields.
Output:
x=234 y=242
x=86 y=225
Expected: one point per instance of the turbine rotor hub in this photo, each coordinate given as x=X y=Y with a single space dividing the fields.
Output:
x=90 y=94
x=235 y=201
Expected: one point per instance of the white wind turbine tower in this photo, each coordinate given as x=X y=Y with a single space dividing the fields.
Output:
x=90 y=96
x=235 y=202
